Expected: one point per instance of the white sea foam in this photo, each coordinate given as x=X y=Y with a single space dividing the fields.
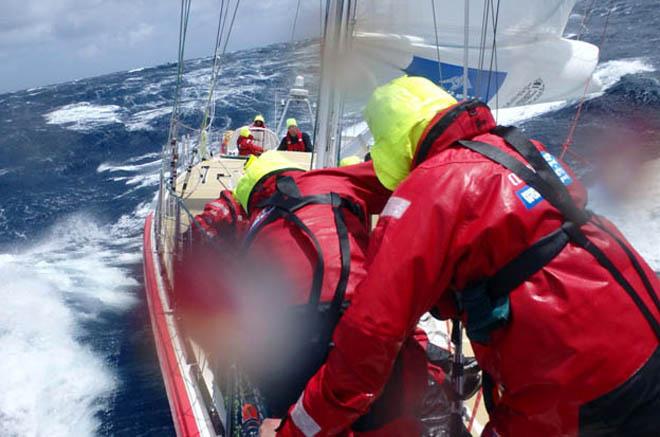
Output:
x=84 y=116
x=140 y=120
x=145 y=174
x=109 y=167
x=52 y=382
x=607 y=74
x=143 y=157
x=610 y=72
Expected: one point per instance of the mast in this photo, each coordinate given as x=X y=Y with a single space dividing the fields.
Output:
x=336 y=41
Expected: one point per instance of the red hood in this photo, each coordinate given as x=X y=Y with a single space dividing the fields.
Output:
x=462 y=121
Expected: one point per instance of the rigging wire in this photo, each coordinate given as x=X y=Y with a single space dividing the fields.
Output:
x=222 y=38
x=493 y=55
x=482 y=43
x=437 y=43
x=320 y=18
x=316 y=118
x=569 y=137
x=218 y=38
x=183 y=29
x=295 y=21
x=218 y=58
x=585 y=19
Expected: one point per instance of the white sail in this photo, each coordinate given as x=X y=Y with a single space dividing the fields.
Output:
x=530 y=62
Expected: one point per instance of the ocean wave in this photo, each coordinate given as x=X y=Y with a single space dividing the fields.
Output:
x=3 y=220
x=140 y=120
x=136 y=176
x=610 y=72
x=149 y=155
x=607 y=74
x=111 y=168
x=53 y=382
x=85 y=116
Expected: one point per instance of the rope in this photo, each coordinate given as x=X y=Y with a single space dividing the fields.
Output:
x=585 y=19
x=475 y=407
x=578 y=112
x=437 y=43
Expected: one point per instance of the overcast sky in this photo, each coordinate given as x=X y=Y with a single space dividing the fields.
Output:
x=50 y=41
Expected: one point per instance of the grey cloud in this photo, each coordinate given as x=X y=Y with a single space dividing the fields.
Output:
x=81 y=38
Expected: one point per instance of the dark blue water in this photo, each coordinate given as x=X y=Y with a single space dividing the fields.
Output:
x=78 y=170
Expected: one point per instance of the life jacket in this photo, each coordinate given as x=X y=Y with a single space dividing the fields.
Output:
x=316 y=319
x=298 y=145
x=486 y=302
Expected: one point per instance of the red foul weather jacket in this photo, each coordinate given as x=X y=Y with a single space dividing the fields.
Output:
x=246 y=146
x=356 y=184
x=215 y=235
x=222 y=218
x=290 y=251
x=566 y=346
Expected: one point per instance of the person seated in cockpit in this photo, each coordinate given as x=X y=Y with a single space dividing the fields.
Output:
x=259 y=121
x=246 y=145
x=295 y=140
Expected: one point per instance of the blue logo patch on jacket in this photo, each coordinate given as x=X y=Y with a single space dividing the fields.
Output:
x=557 y=168
x=529 y=196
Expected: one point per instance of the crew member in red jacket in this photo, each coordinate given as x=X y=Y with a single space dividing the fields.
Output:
x=484 y=224
x=222 y=219
x=312 y=229
x=295 y=140
x=204 y=260
x=246 y=145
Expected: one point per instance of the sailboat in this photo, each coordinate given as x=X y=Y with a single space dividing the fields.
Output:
x=508 y=55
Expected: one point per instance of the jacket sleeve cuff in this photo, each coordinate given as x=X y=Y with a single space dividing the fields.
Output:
x=298 y=423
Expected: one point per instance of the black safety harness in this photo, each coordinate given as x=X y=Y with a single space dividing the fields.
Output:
x=315 y=343
x=546 y=182
x=284 y=204
x=484 y=301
